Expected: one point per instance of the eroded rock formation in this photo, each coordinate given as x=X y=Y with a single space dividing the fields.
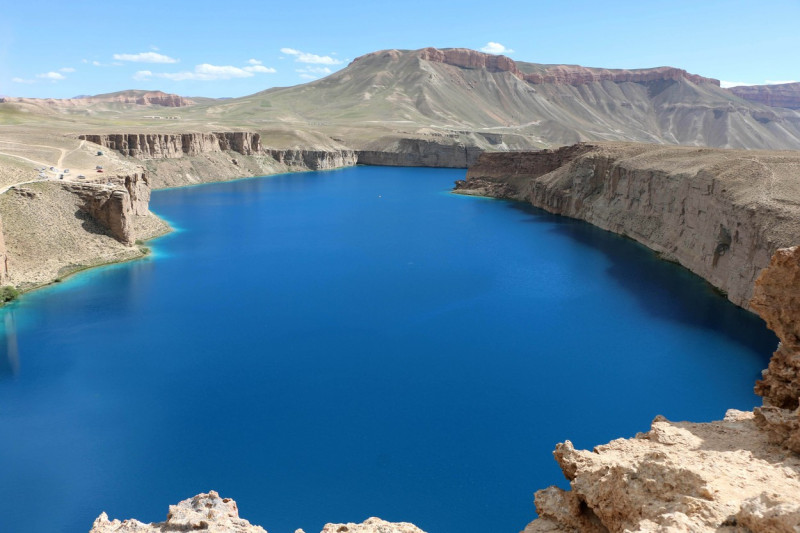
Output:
x=421 y=153
x=777 y=299
x=213 y=514
x=176 y=145
x=3 y=256
x=313 y=159
x=678 y=476
x=782 y=95
x=720 y=213
x=115 y=204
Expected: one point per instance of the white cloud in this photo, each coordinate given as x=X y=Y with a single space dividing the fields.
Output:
x=207 y=72
x=254 y=61
x=154 y=48
x=145 y=57
x=84 y=60
x=20 y=80
x=312 y=73
x=260 y=68
x=97 y=64
x=308 y=76
x=305 y=57
x=54 y=76
x=729 y=84
x=496 y=48
x=66 y=69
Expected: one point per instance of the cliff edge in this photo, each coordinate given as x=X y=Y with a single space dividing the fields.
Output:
x=720 y=213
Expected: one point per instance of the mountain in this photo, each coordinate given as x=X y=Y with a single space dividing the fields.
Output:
x=457 y=90
x=779 y=95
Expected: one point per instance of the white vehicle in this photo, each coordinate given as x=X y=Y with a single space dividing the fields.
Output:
x=66 y=171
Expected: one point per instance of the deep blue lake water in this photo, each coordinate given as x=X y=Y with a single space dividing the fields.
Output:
x=325 y=347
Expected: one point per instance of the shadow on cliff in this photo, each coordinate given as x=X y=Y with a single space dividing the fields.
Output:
x=89 y=224
x=664 y=290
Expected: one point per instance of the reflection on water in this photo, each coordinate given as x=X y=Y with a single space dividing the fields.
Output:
x=9 y=361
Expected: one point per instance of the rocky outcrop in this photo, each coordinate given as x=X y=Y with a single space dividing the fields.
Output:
x=420 y=153
x=720 y=213
x=213 y=514
x=3 y=257
x=782 y=95
x=556 y=74
x=299 y=159
x=177 y=145
x=115 y=204
x=206 y=512
x=777 y=299
x=679 y=476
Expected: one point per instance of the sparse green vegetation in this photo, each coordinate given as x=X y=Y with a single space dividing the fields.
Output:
x=8 y=294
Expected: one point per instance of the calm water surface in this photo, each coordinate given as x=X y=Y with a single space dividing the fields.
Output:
x=333 y=346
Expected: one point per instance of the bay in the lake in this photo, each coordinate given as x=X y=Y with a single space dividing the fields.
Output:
x=325 y=347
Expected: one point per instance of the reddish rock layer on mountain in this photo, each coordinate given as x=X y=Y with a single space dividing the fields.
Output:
x=784 y=95
x=555 y=74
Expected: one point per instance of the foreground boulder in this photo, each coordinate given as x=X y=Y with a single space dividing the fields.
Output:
x=213 y=514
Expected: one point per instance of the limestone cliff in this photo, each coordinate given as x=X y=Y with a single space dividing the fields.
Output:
x=211 y=513
x=781 y=95
x=421 y=153
x=299 y=159
x=3 y=257
x=720 y=213
x=176 y=145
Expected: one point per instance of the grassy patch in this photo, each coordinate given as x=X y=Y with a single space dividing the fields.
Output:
x=8 y=294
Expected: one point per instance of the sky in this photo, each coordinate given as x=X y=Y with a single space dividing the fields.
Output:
x=62 y=49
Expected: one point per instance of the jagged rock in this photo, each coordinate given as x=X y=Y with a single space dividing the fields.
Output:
x=213 y=514
x=372 y=525
x=720 y=213
x=770 y=513
x=204 y=512
x=421 y=153
x=781 y=95
x=679 y=476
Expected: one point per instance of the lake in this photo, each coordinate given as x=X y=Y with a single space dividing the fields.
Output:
x=329 y=346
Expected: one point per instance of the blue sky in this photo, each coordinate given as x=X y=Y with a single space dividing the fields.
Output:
x=62 y=49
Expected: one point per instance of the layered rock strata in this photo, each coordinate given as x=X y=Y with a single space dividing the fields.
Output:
x=421 y=153
x=213 y=514
x=555 y=74
x=176 y=145
x=720 y=213
x=115 y=204
x=782 y=95
x=313 y=159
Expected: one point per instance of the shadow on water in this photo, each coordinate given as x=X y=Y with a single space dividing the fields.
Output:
x=9 y=351
x=662 y=289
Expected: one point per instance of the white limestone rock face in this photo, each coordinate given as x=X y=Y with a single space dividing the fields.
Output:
x=205 y=512
x=211 y=513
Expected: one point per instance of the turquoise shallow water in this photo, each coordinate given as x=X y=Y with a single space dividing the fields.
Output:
x=333 y=346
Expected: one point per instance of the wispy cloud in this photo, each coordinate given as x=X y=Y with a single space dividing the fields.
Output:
x=255 y=62
x=145 y=57
x=729 y=84
x=66 y=69
x=496 y=48
x=305 y=57
x=53 y=76
x=207 y=72
x=21 y=80
x=312 y=73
